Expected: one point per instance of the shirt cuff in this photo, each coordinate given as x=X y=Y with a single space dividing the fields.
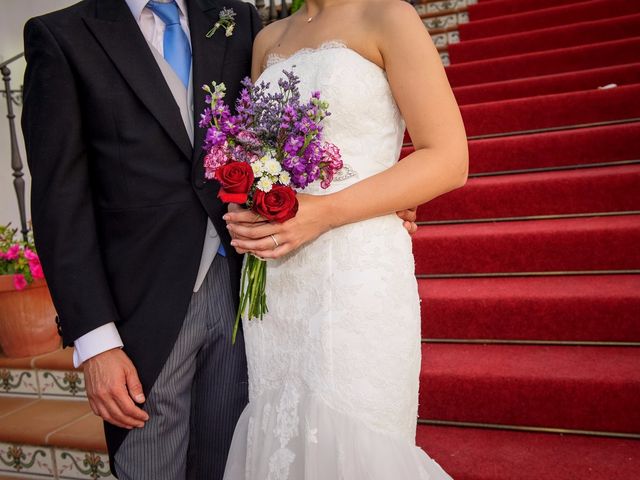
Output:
x=96 y=342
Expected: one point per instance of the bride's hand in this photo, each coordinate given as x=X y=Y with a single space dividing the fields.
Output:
x=251 y=233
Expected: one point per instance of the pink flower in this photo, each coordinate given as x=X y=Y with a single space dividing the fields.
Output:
x=31 y=255
x=216 y=158
x=19 y=281
x=13 y=253
x=36 y=269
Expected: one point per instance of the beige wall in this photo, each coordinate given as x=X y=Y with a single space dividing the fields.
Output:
x=12 y=18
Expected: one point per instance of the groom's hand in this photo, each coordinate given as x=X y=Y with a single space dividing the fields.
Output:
x=112 y=387
x=409 y=216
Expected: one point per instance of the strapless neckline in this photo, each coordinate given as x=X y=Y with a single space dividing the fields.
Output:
x=274 y=59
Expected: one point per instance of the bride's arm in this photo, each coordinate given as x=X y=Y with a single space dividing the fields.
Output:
x=438 y=165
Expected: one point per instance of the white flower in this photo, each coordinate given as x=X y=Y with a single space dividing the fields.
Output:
x=257 y=168
x=285 y=178
x=272 y=167
x=265 y=184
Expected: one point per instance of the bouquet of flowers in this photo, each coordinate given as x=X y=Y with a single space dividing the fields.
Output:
x=18 y=258
x=261 y=155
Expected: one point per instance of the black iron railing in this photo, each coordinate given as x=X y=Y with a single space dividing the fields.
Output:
x=14 y=97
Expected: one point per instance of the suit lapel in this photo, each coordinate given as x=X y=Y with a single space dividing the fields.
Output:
x=208 y=59
x=119 y=34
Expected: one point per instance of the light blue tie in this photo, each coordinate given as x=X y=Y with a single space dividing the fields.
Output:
x=177 y=51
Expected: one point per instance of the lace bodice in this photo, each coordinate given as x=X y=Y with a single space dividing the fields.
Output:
x=365 y=122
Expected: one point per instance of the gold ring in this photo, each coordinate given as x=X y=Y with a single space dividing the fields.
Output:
x=273 y=237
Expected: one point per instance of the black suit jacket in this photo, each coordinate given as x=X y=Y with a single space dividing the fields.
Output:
x=119 y=202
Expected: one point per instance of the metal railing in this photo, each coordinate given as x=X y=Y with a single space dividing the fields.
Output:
x=14 y=97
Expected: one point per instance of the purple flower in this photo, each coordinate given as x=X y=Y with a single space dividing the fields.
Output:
x=206 y=118
x=213 y=138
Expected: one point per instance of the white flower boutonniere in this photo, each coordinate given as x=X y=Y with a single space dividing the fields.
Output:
x=227 y=22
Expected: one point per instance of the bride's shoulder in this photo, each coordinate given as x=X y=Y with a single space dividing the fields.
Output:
x=270 y=34
x=267 y=39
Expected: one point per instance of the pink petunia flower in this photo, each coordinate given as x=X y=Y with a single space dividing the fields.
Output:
x=31 y=255
x=36 y=269
x=13 y=253
x=19 y=281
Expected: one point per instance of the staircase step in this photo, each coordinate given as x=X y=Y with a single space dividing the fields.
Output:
x=583 y=388
x=483 y=454
x=563 y=36
x=552 y=111
x=589 y=308
x=574 y=244
x=494 y=8
x=61 y=435
x=546 y=17
x=570 y=59
x=591 y=79
x=582 y=146
x=35 y=423
x=589 y=190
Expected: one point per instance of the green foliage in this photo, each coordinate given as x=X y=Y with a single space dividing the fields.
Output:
x=296 y=5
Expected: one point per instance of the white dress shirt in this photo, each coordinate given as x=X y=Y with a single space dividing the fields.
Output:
x=107 y=337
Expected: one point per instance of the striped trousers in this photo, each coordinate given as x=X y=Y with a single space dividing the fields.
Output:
x=199 y=395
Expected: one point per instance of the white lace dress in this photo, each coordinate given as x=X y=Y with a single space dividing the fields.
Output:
x=334 y=365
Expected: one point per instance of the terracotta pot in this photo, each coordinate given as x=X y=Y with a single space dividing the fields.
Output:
x=27 y=319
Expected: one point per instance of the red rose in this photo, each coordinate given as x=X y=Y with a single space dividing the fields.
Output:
x=278 y=205
x=236 y=179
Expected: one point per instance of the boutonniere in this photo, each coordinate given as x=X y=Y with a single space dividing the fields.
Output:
x=226 y=21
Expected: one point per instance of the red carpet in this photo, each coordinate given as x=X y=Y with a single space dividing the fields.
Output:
x=605 y=307
x=538 y=40
x=567 y=387
x=548 y=111
x=478 y=454
x=530 y=275
x=590 y=190
x=554 y=149
x=552 y=61
x=563 y=82
x=547 y=17
x=582 y=244
x=494 y=8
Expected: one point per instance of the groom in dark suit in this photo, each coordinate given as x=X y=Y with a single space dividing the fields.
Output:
x=132 y=241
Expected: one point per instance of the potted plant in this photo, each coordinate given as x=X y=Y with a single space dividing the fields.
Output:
x=27 y=315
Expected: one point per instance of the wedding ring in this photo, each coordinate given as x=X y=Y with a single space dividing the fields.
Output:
x=273 y=237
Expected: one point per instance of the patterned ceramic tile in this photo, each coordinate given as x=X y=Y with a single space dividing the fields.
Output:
x=27 y=461
x=18 y=382
x=77 y=465
x=444 y=21
x=440 y=40
x=453 y=37
x=67 y=384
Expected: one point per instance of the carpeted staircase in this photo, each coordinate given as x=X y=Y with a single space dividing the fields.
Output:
x=530 y=274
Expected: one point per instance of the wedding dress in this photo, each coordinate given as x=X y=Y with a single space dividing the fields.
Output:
x=334 y=365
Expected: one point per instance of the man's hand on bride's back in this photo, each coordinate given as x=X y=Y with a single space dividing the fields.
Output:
x=409 y=216
x=113 y=388
x=251 y=233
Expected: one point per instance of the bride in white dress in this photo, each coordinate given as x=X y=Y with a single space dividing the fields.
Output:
x=334 y=365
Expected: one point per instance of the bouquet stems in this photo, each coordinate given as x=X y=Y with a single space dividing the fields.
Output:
x=253 y=299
